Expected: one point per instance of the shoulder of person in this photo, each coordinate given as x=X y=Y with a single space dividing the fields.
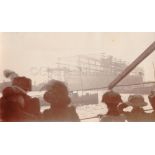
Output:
x=150 y=117
x=73 y=113
x=106 y=118
x=119 y=118
x=72 y=110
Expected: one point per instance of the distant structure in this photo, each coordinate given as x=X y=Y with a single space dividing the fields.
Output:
x=88 y=72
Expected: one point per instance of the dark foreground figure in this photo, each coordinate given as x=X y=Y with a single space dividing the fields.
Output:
x=61 y=109
x=16 y=105
x=152 y=102
x=12 y=106
x=137 y=113
x=32 y=105
x=112 y=100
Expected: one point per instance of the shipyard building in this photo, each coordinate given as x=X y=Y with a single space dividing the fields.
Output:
x=89 y=72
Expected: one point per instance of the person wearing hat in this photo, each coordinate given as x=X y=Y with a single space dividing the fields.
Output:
x=137 y=113
x=151 y=98
x=12 y=105
x=112 y=100
x=32 y=105
x=61 y=109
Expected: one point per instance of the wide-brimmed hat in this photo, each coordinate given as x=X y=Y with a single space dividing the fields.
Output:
x=136 y=101
x=55 y=85
x=111 y=97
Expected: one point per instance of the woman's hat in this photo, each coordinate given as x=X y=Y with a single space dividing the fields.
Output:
x=136 y=101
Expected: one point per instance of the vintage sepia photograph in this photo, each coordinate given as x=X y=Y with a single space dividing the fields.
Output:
x=77 y=76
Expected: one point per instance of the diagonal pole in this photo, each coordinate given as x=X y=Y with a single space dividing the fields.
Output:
x=138 y=60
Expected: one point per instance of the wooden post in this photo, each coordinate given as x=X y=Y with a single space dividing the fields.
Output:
x=138 y=60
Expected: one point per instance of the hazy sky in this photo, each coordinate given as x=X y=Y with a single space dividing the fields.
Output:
x=23 y=51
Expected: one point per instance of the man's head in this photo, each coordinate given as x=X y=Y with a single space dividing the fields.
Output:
x=56 y=93
x=111 y=98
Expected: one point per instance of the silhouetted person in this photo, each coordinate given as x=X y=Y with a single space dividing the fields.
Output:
x=112 y=100
x=137 y=113
x=151 y=98
x=32 y=105
x=12 y=105
x=61 y=109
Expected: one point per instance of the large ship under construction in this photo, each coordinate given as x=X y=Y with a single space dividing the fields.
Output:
x=83 y=72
